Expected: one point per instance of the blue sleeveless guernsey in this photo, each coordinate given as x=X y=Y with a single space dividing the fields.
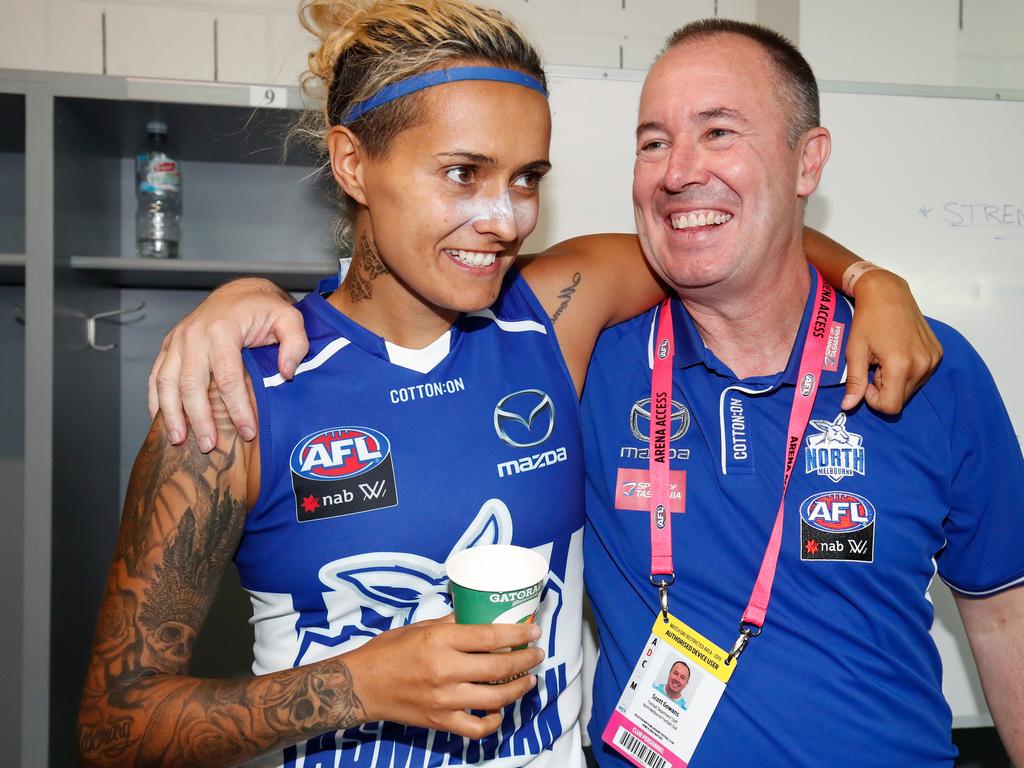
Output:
x=377 y=463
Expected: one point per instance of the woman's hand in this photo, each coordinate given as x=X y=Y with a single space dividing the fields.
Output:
x=890 y=332
x=250 y=312
x=429 y=673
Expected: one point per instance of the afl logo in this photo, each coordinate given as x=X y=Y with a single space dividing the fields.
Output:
x=339 y=452
x=808 y=385
x=837 y=512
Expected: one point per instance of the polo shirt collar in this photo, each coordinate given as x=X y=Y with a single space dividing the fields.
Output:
x=690 y=349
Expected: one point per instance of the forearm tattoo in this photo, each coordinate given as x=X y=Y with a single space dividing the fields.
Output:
x=184 y=515
x=365 y=268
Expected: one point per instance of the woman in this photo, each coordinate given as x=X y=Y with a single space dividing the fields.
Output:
x=366 y=474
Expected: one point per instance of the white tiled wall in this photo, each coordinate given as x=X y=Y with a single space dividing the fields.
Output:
x=160 y=41
x=74 y=36
x=23 y=31
x=886 y=41
x=989 y=54
x=243 y=47
x=260 y=41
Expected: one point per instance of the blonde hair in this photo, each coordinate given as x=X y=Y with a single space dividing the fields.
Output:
x=366 y=45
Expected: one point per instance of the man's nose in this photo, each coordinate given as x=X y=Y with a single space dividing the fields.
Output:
x=685 y=166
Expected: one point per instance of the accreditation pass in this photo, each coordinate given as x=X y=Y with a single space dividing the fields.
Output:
x=670 y=697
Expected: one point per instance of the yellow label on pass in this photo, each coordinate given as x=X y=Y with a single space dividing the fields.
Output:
x=694 y=645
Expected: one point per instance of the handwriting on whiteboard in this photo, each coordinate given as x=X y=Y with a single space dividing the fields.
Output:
x=1006 y=218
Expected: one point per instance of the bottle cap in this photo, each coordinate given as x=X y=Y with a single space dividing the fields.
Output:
x=156 y=126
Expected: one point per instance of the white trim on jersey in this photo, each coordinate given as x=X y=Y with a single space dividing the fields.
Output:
x=321 y=357
x=650 y=343
x=420 y=360
x=512 y=326
x=928 y=589
x=983 y=592
x=721 y=413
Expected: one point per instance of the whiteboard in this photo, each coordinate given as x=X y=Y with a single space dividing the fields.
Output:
x=931 y=187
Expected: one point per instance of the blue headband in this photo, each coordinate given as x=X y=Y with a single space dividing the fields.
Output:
x=439 y=77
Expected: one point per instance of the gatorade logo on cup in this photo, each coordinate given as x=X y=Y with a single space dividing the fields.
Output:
x=496 y=584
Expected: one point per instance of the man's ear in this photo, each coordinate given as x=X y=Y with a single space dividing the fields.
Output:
x=348 y=162
x=815 y=147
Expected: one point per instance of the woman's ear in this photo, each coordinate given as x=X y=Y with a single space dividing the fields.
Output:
x=347 y=162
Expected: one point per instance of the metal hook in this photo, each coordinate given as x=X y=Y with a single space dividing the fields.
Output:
x=663 y=584
x=90 y=326
x=747 y=631
x=19 y=314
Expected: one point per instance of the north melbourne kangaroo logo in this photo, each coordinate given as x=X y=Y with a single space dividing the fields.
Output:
x=834 y=452
x=372 y=593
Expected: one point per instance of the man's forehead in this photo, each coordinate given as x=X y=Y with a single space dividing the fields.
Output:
x=725 y=75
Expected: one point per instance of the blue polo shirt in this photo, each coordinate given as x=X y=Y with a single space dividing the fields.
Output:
x=845 y=672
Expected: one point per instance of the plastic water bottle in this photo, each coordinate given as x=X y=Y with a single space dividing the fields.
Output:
x=158 y=195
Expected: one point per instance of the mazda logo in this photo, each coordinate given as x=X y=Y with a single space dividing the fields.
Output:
x=530 y=408
x=642 y=410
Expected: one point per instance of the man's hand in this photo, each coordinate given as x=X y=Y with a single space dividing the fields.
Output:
x=430 y=673
x=251 y=312
x=888 y=331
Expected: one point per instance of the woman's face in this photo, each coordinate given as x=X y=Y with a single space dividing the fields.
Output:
x=453 y=198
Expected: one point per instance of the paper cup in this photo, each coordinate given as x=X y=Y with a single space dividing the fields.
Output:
x=496 y=584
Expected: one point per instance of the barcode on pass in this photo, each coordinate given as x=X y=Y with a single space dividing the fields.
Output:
x=647 y=756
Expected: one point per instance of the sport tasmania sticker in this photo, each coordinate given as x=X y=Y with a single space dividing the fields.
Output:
x=837 y=526
x=340 y=471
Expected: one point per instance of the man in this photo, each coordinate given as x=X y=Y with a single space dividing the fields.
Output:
x=844 y=672
x=676 y=682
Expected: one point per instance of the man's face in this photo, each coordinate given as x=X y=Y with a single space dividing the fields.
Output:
x=716 y=187
x=678 y=678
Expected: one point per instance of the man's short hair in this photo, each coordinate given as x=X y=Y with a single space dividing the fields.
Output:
x=795 y=82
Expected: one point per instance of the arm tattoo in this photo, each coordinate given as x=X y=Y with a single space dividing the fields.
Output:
x=365 y=268
x=566 y=296
x=183 y=519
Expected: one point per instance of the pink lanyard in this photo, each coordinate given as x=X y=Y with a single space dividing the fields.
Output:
x=811 y=361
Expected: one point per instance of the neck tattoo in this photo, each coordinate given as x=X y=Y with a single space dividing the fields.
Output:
x=366 y=267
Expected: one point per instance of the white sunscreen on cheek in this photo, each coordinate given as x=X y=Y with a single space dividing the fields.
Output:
x=525 y=212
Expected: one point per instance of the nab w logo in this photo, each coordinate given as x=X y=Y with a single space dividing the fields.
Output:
x=837 y=526
x=374 y=491
x=342 y=471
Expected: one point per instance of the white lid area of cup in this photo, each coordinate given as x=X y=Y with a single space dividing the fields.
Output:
x=497 y=568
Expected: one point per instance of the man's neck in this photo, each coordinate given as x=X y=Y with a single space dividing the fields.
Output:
x=752 y=329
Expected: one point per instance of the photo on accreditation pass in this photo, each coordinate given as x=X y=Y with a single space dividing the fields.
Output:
x=671 y=696
x=677 y=683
